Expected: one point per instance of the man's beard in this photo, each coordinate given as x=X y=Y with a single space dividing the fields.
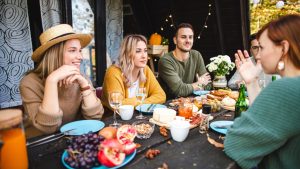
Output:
x=183 y=50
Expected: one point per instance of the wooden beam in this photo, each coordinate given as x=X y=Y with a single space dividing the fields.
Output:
x=100 y=40
x=245 y=20
x=35 y=22
x=219 y=27
x=67 y=11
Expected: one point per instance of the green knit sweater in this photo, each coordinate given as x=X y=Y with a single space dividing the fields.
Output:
x=176 y=77
x=267 y=135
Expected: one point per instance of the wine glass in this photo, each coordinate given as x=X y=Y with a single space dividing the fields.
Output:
x=140 y=96
x=115 y=101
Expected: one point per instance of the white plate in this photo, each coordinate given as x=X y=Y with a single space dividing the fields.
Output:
x=221 y=126
x=82 y=127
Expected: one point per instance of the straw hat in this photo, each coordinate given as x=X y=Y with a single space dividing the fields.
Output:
x=57 y=34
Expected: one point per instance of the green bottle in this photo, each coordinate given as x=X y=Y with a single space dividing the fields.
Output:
x=273 y=78
x=241 y=104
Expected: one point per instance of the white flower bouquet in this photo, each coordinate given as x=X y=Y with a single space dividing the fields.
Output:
x=220 y=65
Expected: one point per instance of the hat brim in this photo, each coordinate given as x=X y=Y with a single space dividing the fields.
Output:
x=84 y=39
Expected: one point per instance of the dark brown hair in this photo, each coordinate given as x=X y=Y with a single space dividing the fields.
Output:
x=285 y=28
x=183 y=25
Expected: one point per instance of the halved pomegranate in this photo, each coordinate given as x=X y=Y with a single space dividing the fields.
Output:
x=111 y=153
x=125 y=136
x=129 y=148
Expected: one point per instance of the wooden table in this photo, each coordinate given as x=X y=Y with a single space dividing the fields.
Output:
x=194 y=152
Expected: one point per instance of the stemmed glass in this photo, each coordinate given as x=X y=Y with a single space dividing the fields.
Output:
x=115 y=101
x=140 y=96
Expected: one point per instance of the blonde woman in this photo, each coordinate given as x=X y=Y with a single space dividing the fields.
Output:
x=132 y=72
x=55 y=92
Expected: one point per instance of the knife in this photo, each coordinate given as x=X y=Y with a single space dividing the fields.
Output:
x=48 y=138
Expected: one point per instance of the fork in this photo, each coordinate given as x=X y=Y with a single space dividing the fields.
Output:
x=48 y=139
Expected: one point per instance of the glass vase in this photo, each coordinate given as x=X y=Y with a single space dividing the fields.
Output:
x=219 y=82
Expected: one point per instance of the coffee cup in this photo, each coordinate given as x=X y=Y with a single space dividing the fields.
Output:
x=179 y=130
x=126 y=112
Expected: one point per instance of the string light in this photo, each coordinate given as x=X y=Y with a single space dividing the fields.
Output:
x=169 y=21
x=205 y=22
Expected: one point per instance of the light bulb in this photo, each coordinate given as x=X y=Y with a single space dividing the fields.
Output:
x=162 y=28
x=256 y=1
x=170 y=16
x=198 y=37
x=279 y=4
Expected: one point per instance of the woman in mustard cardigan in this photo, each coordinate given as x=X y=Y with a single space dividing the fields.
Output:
x=132 y=72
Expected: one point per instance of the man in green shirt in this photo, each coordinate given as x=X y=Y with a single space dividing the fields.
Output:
x=183 y=70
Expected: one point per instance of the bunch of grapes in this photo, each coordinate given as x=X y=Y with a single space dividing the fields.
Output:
x=83 y=151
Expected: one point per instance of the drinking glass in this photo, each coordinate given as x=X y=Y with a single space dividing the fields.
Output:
x=115 y=101
x=140 y=96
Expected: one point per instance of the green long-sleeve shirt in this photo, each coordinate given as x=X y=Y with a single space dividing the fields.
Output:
x=176 y=77
x=268 y=133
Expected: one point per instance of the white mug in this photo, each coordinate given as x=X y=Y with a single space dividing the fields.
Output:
x=179 y=129
x=126 y=111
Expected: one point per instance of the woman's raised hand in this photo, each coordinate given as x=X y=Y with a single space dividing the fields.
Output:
x=247 y=69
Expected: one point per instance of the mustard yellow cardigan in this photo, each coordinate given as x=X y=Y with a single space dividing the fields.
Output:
x=113 y=81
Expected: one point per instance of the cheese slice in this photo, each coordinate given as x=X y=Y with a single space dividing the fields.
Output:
x=164 y=115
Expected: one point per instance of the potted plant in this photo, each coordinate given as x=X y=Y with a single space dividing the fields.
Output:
x=220 y=66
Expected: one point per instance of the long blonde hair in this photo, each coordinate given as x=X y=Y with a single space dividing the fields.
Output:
x=126 y=58
x=52 y=60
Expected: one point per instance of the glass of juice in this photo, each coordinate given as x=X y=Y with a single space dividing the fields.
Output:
x=13 y=153
x=185 y=110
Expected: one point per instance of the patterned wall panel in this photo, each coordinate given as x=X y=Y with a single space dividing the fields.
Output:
x=51 y=13
x=114 y=27
x=15 y=50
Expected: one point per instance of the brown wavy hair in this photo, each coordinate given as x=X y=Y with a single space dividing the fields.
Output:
x=285 y=28
x=126 y=57
x=52 y=60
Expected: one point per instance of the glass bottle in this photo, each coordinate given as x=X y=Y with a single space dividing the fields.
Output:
x=273 y=78
x=205 y=116
x=241 y=104
x=13 y=152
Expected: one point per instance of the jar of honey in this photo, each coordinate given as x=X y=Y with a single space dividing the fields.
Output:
x=185 y=110
x=13 y=153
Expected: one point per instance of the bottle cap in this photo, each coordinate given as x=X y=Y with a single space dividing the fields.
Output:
x=206 y=109
x=10 y=117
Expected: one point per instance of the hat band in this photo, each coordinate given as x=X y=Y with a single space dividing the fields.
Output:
x=61 y=36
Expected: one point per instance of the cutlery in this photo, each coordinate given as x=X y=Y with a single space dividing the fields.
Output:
x=149 y=108
x=48 y=138
x=223 y=126
x=153 y=107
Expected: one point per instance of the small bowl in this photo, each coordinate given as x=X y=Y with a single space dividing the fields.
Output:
x=144 y=129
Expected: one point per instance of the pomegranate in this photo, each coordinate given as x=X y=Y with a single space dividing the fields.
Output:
x=111 y=153
x=126 y=135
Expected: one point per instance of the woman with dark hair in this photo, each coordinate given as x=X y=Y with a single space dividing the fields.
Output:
x=132 y=72
x=55 y=92
x=267 y=135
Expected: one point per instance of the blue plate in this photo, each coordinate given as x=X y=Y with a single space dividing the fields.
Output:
x=221 y=126
x=144 y=108
x=200 y=92
x=128 y=158
x=82 y=127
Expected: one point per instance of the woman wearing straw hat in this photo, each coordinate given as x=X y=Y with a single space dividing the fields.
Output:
x=55 y=91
